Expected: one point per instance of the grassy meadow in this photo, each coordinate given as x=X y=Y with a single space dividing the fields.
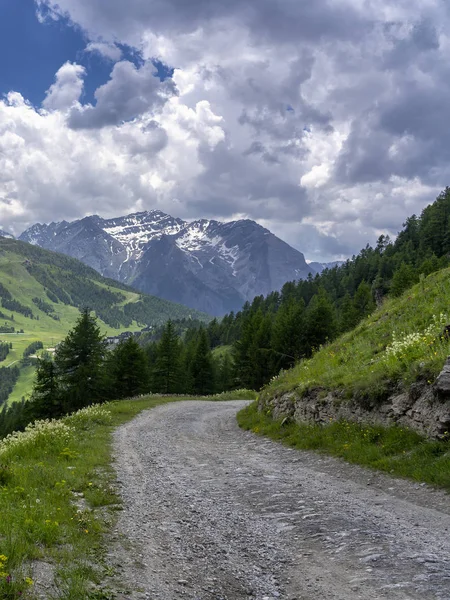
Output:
x=400 y=343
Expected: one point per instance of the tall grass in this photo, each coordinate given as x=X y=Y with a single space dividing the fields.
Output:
x=399 y=344
x=56 y=483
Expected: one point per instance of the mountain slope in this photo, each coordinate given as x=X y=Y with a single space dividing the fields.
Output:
x=41 y=292
x=209 y=265
x=403 y=342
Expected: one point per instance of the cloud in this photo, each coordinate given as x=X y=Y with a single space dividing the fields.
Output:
x=66 y=90
x=107 y=50
x=130 y=92
x=324 y=121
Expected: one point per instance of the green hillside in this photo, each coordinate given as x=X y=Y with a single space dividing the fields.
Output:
x=41 y=293
x=398 y=344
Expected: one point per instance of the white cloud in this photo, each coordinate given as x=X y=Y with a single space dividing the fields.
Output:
x=322 y=120
x=107 y=50
x=67 y=89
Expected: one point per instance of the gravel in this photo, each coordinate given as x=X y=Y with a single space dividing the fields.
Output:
x=212 y=512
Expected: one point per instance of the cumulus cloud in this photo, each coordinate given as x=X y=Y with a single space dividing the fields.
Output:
x=310 y=117
x=130 y=92
x=66 y=90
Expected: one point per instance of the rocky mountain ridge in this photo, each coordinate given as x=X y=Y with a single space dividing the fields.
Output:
x=205 y=264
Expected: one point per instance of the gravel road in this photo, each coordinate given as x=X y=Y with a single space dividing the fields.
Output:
x=213 y=512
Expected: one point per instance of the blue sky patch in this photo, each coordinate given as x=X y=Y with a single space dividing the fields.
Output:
x=32 y=52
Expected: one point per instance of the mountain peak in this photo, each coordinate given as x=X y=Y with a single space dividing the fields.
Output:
x=205 y=264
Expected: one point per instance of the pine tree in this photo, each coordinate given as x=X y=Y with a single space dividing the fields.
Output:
x=167 y=375
x=404 y=277
x=202 y=367
x=46 y=401
x=288 y=337
x=321 y=324
x=348 y=314
x=79 y=359
x=363 y=301
x=129 y=375
x=261 y=353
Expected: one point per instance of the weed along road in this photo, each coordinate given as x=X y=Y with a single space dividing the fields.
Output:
x=213 y=512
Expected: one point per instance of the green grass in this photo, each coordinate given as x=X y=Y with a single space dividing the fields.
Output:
x=399 y=452
x=24 y=384
x=43 y=474
x=360 y=363
x=241 y=394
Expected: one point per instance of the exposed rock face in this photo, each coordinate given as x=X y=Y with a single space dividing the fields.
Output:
x=423 y=408
x=208 y=265
x=442 y=385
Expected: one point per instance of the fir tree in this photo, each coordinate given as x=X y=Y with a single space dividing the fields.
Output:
x=79 y=359
x=129 y=374
x=46 y=401
x=167 y=375
x=321 y=324
x=225 y=374
x=202 y=368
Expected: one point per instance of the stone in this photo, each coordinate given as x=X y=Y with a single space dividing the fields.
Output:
x=442 y=385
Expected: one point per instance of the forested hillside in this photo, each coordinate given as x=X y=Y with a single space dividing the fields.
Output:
x=62 y=280
x=275 y=331
x=41 y=293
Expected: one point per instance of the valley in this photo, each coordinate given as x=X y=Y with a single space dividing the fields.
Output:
x=62 y=286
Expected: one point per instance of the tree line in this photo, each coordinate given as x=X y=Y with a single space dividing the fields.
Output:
x=83 y=371
x=273 y=332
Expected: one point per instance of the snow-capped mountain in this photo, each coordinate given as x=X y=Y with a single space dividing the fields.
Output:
x=319 y=267
x=5 y=234
x=208 y=265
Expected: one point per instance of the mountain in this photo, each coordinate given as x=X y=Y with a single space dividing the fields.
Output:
x=5 y=234
x=319 y=267
x=207 y=265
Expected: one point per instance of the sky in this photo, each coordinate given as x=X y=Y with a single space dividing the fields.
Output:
x=326 y=122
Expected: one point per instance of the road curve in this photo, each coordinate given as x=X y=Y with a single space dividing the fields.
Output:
x=212 y=512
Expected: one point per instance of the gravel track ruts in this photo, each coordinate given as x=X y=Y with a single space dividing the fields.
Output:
x=213 y=512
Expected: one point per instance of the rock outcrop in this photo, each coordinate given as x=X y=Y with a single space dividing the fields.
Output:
x=423 y=408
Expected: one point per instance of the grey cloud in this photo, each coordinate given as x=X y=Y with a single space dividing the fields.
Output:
x=283 y=21
x=230 y=185
x=421 y=39
x=381 y=87
x=404 y=135
x=130 y=92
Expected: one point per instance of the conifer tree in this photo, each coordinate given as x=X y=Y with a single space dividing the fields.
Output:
x=167 y=375
x=129 y=375
x=321 y=324
x=79 y=359
x=363 y=301
x=288 y=337
x=202 y=368
x=225 y=374
x=46 y=401
x=403 y=278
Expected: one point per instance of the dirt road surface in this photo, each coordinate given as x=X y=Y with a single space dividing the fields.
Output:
x=212 y=512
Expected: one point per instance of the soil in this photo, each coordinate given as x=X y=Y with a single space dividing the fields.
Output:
x=213 y=512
